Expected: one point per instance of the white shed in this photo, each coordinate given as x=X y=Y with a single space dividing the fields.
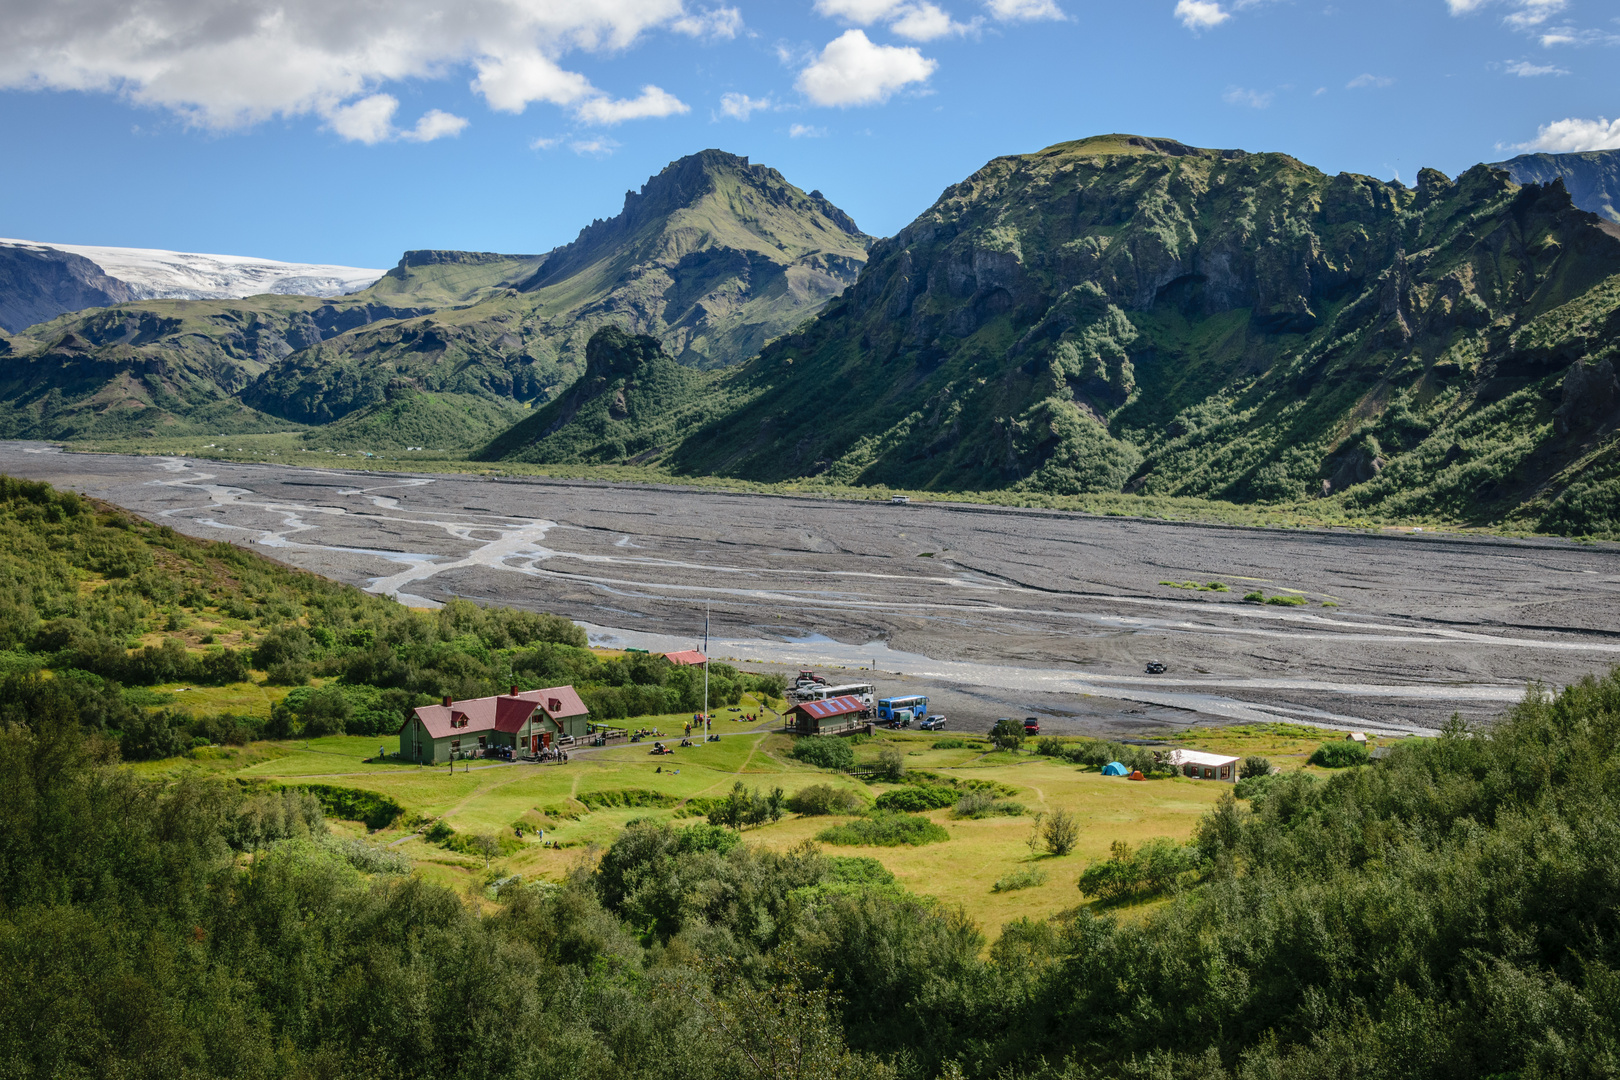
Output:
x=1202 y=766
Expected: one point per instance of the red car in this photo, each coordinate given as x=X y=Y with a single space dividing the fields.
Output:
x=1032 y=726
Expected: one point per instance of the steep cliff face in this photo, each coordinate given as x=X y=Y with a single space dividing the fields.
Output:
x=1593 y=179
x=38 y=283
x=1136 y=314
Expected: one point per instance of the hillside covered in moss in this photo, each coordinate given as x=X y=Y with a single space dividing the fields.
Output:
x=1131 y=314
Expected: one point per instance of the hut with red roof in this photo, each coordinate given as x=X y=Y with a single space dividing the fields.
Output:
x=527 y=721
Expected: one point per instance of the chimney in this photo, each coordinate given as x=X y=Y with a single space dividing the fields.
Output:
x=514 y=690
x=446 y=701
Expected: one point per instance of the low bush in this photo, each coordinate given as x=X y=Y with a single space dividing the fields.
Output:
x=1059 y=831
x=364 y=857
x=1026 y=877
x=857 y=870
x=825 y=752
x=1339 y=755
x=1254 y=766
x=890 y=765
x=884 y=830
x=954 y=743
x=618 y=797
x=1127 y=874
x=351 y=804
x=983 y=804
x=1255 y=597
x=820 y=799
x=917 y=799
x=1286 y=601
x=1047 y=746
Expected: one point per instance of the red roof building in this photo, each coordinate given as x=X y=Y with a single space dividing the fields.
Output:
x=526 y=721
x=816 y=717
x=686 y=658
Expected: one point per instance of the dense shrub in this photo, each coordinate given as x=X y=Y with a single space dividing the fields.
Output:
x=1131 y=874
x=917 y=798
x=1025 y=877
x=884 y=830
x=983 y=804
x=820 y=799
x=378 y=811
x=825 y=752
x=1339 y=755
x=1254 y=766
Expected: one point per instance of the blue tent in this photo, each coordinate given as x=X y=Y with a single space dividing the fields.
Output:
x=1114 y=768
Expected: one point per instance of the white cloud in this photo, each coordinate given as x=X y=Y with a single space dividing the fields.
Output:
x=435 y=124
x=371 y=120
x=1569 y=35
x=1197 y=15
x=511 y=82
x=741 y=106
x=852 y=70
x=863 y=12
x=543 y=143
x=597 y=147
x=1526 y=70
x=926 y=22
x=715 y=24
x=915 y=20
x=1255 y=99
x=227 y=64
x=1362 y=82
x=1523 y=13
x=1024 y=10
x=653 y=102
x=1574 y=136
x=805 y=131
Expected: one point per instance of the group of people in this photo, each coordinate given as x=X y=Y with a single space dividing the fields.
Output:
x=559 y=756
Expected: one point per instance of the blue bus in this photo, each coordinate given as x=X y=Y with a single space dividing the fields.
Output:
x=916 y=704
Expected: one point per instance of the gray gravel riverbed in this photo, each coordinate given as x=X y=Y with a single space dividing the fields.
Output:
x=994 y=611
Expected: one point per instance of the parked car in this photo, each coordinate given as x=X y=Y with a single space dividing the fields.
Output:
x=1032 y=725
x=1155 y=668
x=936 y=722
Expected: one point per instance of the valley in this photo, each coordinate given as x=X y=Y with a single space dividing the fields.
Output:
x=994 y=611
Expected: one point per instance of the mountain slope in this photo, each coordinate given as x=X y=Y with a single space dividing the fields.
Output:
x=630 y=404
x=1593 y=178
x=1123 y=313
x=39 y=283
x=713 y=257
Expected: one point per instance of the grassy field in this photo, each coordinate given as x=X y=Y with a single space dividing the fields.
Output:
x=495 y=798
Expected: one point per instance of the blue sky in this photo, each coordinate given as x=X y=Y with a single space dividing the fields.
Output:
x=346 y=131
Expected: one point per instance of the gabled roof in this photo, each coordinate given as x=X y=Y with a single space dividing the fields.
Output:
x=838 y=706
x=686 y=657
x=1198 y=757
x=503 y=712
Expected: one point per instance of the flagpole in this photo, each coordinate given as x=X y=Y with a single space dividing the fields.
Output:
x=705 y=671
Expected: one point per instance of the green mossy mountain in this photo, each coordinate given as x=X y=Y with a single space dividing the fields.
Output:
x=415 y=418
x=1593 y=178
x=1123 y=313
x=715 y=256
x=632 y=403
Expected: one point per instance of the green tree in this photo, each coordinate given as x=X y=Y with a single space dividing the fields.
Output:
x=1060 y=831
